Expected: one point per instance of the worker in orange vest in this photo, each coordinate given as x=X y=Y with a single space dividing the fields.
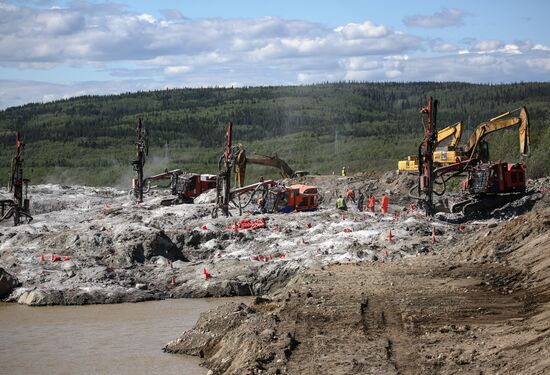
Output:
x=371 y=203
x=385 y=202
x=350 y=195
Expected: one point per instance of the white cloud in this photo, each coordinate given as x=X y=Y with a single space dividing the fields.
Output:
x=539 y=63
x=364 y=30
x=438 y=45
x=175 y=70
x=541 y=47
x=144 y=53
x=444 y=18
x=106 y=34
x=147 y=18
x=393 y=73
x=511 y=48
x=488 y=45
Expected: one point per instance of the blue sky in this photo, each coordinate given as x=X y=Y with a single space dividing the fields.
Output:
x=52 y=49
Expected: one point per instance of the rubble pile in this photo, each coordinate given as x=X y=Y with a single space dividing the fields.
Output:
x=91 y=245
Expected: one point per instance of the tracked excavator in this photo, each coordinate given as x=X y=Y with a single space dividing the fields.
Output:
x=242 y=160
x=488 y=184
x=477 y=147
x=268 y=196
x=442 y=155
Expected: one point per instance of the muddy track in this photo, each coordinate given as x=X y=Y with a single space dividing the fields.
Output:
x=417 y=317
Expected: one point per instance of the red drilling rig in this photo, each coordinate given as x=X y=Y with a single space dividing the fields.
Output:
x=19 y=206
x=488 y=184
x=142 y=149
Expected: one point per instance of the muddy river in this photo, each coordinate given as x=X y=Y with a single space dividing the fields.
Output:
x=98 y=339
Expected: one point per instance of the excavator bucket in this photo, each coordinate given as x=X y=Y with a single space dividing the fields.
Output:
x=524 y=132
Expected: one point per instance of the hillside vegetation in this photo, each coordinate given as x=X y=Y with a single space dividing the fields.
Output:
x=368 y=126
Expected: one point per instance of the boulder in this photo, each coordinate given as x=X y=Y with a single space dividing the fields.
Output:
x=42 y=298
x=7 y=283
x=151 y=245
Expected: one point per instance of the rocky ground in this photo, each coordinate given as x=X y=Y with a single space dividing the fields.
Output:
x=334 y=294
x=478 y=303
x=94 y=245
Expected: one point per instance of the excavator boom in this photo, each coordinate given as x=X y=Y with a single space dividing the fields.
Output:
x=454 y=131
x=503 y=121
x=271 y=161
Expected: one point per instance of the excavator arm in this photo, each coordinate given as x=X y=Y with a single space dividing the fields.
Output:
x=503 y=121
x=454 y=131
x=271 y=161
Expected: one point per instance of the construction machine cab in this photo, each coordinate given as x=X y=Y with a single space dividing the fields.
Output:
x=294 y=198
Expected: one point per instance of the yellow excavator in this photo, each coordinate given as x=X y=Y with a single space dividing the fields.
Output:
x=242 y=159
x=477 y=147
x=442 y=155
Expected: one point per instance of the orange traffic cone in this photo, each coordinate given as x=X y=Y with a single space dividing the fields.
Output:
x=173 y=282
x=390 y=236
x=433 y=235
x=42 y=258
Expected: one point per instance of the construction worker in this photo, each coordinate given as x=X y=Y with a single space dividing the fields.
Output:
x=341 y=203
x=371 y=203
x=385 y=202
x=360 y=201
x=350 y=195
x=261 y=205
x=344 y=172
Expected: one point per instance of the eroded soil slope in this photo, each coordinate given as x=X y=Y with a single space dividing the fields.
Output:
x=479 y=307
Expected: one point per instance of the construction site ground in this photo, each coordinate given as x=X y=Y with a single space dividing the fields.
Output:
x=333 y=294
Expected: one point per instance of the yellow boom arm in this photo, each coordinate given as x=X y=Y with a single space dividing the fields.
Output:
x=503 y=121
x=271 y=161
x=454 y=131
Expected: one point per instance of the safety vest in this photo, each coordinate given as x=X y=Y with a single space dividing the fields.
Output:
x=340 y=203
x=371 y=201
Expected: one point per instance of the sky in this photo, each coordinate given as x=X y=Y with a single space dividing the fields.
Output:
x=53 y=49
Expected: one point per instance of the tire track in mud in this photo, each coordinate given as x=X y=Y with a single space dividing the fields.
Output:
x=382 y=322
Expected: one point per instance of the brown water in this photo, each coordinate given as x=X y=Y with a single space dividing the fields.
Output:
x=98 y=339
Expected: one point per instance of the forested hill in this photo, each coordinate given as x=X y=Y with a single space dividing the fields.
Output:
x=368 y=126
